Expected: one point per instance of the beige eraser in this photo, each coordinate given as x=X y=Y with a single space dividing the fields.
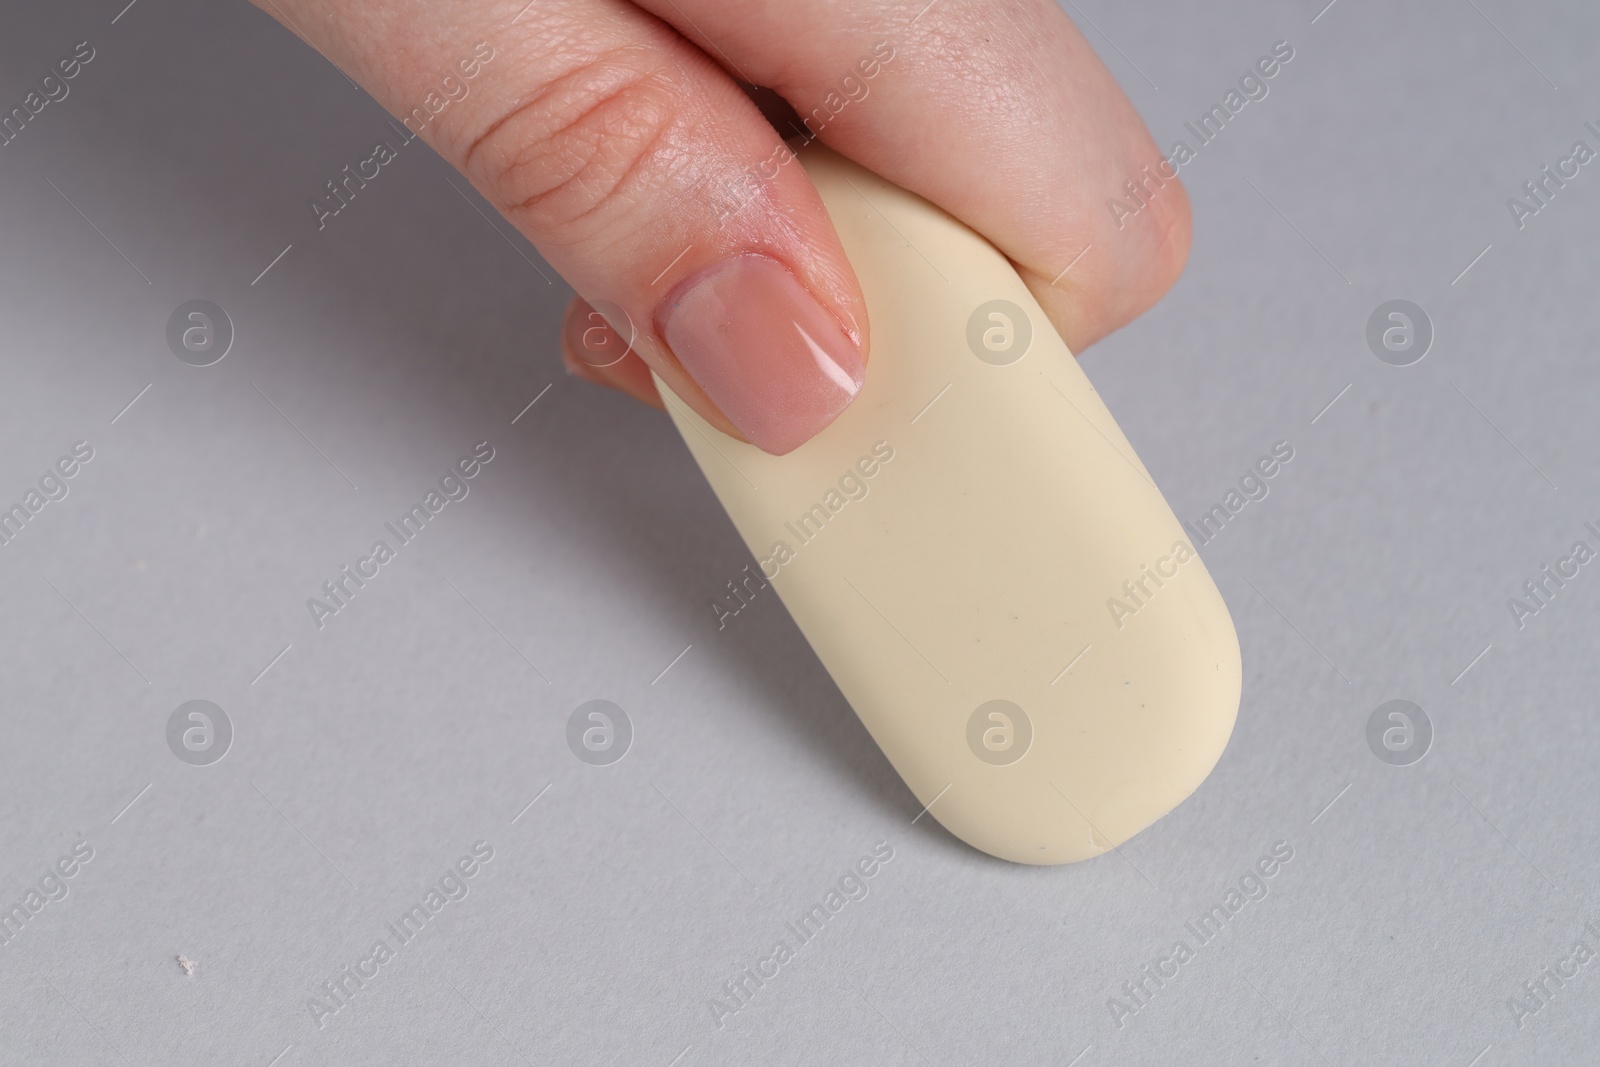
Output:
x=979 y=558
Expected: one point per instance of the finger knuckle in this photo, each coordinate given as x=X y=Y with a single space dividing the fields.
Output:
x=565 y=151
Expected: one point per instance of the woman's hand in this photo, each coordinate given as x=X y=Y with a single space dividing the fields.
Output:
x=617 y=138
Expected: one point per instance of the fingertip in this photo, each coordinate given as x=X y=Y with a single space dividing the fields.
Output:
x=595 y=352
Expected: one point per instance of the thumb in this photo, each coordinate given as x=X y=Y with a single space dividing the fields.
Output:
x=644 y=175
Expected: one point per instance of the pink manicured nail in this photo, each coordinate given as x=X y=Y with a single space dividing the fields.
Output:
x=766 y=353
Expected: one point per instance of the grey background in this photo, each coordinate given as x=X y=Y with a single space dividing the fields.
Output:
x=373 y=753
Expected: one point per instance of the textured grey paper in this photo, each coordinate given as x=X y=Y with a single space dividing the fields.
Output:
x=368 y=757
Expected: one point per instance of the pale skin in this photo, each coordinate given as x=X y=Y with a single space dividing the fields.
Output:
x=616 y=135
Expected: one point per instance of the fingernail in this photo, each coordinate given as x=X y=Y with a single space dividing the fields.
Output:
x=772 y=359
